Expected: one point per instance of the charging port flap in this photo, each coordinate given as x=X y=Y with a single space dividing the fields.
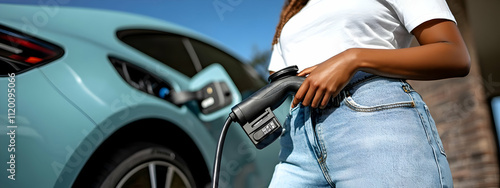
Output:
x=214 y=96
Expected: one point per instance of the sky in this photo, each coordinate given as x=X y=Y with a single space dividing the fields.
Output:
x=242 y=26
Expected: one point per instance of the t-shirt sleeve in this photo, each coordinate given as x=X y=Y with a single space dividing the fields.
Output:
x=276 y=63
x=412 y=13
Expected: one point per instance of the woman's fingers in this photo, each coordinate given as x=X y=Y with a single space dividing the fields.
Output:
x=299 y=95
x=311 y=92
x=318 y=96
x=326 y=100
x=307 y=71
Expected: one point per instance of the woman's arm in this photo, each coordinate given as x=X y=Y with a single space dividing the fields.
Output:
x=442 y=54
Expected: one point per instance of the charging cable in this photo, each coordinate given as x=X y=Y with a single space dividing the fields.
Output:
x=220 y=145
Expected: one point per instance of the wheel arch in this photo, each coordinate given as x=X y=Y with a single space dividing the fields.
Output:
x=157 y=131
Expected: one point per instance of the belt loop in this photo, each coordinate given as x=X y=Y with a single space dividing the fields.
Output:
x=338 y=99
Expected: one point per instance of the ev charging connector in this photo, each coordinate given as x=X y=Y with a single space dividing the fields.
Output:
x=255 y=114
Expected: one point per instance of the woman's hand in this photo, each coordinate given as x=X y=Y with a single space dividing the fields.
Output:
x=326 y=79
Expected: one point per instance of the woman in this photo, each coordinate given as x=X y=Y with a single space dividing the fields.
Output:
x=355 y=121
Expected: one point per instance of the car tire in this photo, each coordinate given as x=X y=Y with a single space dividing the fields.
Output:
x=145 y=164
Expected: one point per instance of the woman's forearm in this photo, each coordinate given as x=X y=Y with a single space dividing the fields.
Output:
x=428 y=62
x=439 y=56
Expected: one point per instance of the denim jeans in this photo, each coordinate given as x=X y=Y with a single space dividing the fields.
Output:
x=381 y=134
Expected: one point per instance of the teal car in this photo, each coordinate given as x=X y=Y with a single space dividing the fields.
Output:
x=94 y=98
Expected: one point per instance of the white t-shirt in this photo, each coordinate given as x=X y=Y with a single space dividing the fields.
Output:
x=324 y=28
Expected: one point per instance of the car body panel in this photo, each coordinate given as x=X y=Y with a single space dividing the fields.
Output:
x=42 y=143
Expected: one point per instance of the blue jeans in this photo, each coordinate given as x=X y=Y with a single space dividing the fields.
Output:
x=380 y=134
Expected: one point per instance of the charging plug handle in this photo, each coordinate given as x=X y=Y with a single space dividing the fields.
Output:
x=272 y=95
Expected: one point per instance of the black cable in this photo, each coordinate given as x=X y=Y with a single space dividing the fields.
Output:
x=218 y=154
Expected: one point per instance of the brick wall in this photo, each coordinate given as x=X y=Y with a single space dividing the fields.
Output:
x=463 y=118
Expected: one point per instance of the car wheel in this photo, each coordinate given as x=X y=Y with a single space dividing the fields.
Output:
x=146 y=165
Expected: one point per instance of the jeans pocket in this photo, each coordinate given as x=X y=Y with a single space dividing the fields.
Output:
x=434 y=131
x=376 y=97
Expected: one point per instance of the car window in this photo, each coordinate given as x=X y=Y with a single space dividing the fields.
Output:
x=245 y=77
x=164 y=47
x=189 y=56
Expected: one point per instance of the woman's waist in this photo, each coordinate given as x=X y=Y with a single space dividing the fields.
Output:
x=373 y=87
